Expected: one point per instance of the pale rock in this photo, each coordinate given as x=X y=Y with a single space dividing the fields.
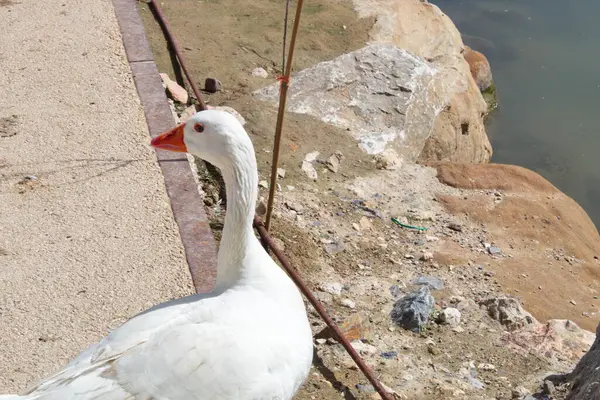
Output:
x=382 y=94
x=260 y=72
x=281 y=172
x=309 y=170
x=450 y=316
x=263 y=184
x=427 y=256
x=333 y=163
x=364 y=348
x=177 y=93
x=348 y=303
x=334 y=288
x=312 y=156
x=486 y=367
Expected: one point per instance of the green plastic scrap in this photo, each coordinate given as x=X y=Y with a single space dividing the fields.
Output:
x=419 y=228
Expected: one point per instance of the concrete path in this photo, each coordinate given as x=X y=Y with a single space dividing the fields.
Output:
x=87 y=236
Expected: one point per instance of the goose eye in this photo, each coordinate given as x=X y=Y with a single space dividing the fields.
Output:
x=198 y=127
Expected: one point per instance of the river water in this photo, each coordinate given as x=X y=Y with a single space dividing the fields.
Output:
x=545 y=58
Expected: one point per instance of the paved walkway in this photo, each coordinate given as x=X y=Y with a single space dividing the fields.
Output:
x=89 y=239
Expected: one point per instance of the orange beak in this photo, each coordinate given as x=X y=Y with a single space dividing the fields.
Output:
x=171 y=140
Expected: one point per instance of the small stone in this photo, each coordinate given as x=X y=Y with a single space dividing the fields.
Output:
x=176 y=92
x=312 y=156
x=486 y=367
x=409 y=256
x=427 y=256
x=321 y=341
x=458 y=329
x=389 y=355
x=333 y=163
x=494 y=250
x=430 y=281
x=395 y=291
x=281 y=172
x=412 y=311
x=357 y=327
x=450 y=316
x=212 y=85
x=573 y=302
x=309 y=170
x=334 y=288
x=295 y=207
x=364 y=348
x=548 y=387
x=388 y=159
x=260 y=72
x=263 y=184
x=348 y=303
x=455 y=227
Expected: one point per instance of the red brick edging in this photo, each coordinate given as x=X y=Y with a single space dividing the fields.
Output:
x=187 y=206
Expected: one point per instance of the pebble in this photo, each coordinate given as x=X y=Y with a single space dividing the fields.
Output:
x=349 y=303
x=388 y=159
x=312 y=156
x=431 y=281
x=334 y=288
x=364 y=348
x=177 y=92
x=573 y=302
x=294 y=207
x=263 y=184
x=390 y=355
x=260 y=72
x=365 y=223
x=281 y=172
x=486 y=367
x=494 y=250
x=309 y=170
x=212 y=85
x=450 y=316
x=412 y=311
x=333 y=163
x=455 y=227
x=427 y=256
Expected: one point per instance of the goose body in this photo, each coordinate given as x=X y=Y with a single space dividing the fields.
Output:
x=248 y=339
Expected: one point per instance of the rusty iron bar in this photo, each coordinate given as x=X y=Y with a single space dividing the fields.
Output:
x=173 y=42
x=267 y=239
x=280 y=114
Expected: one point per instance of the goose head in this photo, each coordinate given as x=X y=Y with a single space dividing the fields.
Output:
x=213 y=135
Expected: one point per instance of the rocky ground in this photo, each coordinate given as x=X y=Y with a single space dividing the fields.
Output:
x=428 y=267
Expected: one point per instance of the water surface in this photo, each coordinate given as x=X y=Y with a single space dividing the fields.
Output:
x=545 y=57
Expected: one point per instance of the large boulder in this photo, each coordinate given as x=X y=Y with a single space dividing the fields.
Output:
x=381 y=94
x=421 y=28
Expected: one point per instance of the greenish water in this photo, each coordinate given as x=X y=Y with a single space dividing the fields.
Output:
x=545 y=58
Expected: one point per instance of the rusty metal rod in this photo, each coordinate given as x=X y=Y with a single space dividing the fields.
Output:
x=267 y=238
x=173 y=42
x=280 y=114
x=321 y=310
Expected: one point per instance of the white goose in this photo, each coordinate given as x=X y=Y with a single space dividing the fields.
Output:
x=248 y=339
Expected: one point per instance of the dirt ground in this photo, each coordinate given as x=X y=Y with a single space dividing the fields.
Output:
x=319 y=222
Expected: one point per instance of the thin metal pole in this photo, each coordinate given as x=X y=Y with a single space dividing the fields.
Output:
x=279 y=126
